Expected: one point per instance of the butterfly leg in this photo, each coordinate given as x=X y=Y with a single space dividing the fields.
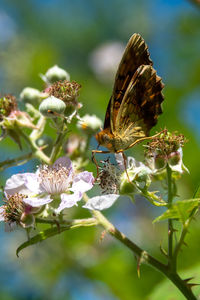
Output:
x=95 y=161
x=145 y=138
x=125 y=164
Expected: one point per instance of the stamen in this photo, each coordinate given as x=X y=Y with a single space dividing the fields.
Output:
x=54 y=179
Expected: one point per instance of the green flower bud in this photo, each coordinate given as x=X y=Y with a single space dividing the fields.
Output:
x=27 y=220
x=30 y=95
x=126 y=187
x=52 y=107
x=174 y=158
x=55 y=74
x=160 y=162
x=89 y=124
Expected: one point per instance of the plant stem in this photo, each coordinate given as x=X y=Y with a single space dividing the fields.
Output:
x=164 y=269
x=72 y=223
x=170 y=221
x=179 y=244
x=17 y=161
x=36 y=151
x=58 y=144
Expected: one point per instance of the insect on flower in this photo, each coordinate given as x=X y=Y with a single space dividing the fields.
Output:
x=135 y=103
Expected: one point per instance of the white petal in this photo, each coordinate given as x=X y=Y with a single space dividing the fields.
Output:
x=82 y=182
x=120 y=160
x=10 y=226
x=36 y=201
x=32 y=183
x=2 y=213
x=177 y=167
x=15 y=184
x=101 y=202
x=68 y=200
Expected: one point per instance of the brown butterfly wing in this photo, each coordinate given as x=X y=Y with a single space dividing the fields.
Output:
x=141 y=104
x=135 y=55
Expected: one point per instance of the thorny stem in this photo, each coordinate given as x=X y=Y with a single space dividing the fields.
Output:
x=58 y=143
x=170 y=221
x=72 y=223
x=36 y=151
x=36 y=133
x=164 y=269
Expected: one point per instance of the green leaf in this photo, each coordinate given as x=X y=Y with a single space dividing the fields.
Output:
x=43 y=235
x=181 y=210
x=197 y=192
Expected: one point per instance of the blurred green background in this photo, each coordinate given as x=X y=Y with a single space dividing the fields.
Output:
x=35 y=35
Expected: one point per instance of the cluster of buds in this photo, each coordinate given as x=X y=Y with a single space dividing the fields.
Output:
x=12 y=119
x=60 y=95
x=166 y=149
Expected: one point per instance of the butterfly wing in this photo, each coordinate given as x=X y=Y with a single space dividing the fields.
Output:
x=141 y=104
x=135 y=55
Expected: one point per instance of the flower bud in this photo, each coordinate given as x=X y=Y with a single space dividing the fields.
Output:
x=75 y=145
x=127 y=188
x=52 y=107
x=30 y=95
x=27 y=220
x=89 y=124
x=55 y=74
x=174 y=158
x=160 y=162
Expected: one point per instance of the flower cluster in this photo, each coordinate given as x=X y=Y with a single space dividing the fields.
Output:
x=57 y=185
x=166 y=149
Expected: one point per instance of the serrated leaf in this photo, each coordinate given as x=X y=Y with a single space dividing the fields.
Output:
x=43 y=235
x=180 y=210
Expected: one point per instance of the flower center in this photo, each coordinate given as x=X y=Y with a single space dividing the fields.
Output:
x=14 y=207
x=55 y=179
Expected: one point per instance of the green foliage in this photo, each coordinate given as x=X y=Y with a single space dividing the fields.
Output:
x=41 y=236
x=180 y=210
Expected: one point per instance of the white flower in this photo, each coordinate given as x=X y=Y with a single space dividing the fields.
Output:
x=109 y=181
x=101 y=202
x=135 y=169
x=113 y=182
x=49 y=181
x=175 y=161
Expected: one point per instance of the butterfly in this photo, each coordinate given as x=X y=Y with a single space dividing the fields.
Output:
x=135 y=103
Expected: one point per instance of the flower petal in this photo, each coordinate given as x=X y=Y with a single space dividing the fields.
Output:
x=32 y=183
x=68 y=200
x=101 y=202
x=36 y=201
x=2 y=213
x=63 y=161
x=16 y=184
x=82 y=182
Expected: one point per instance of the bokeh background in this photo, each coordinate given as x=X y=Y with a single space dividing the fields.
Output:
x=86 y=38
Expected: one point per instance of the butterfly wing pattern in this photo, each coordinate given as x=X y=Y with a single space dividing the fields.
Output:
x=136 y=100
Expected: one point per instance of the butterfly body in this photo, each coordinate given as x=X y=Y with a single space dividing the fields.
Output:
x=115 y=142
